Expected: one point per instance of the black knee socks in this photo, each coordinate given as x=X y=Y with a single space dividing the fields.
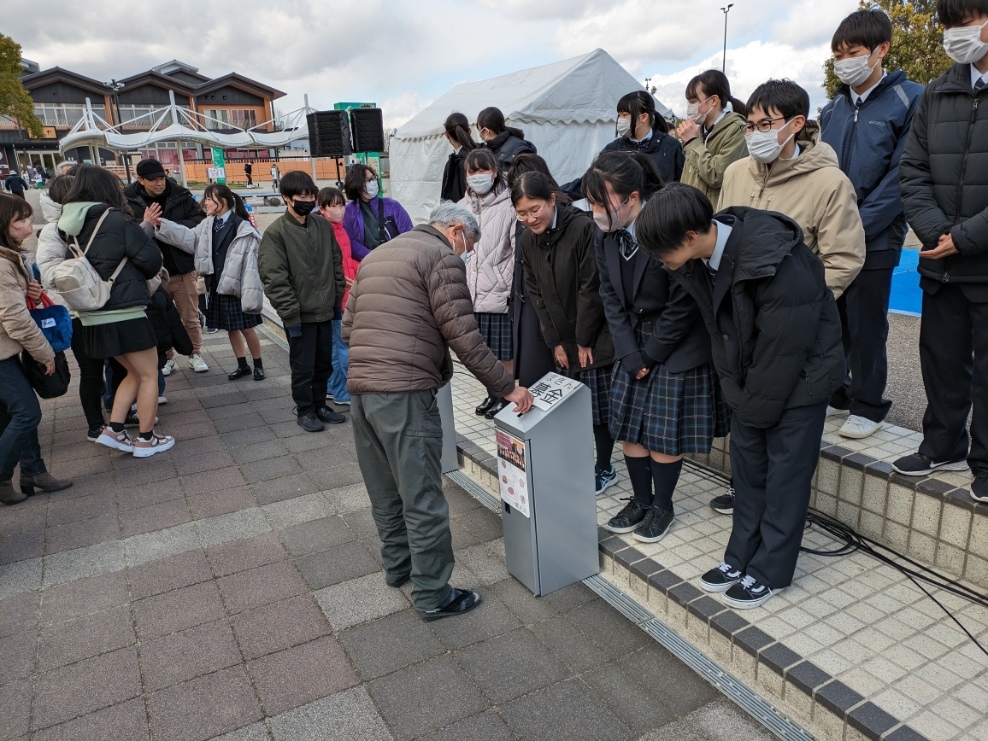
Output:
x=605 y=445
x=242 y=363
x=258 y=363
x=665 y=476
x=640 y=473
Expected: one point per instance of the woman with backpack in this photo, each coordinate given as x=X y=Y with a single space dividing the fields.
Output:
x=20 y=412
x=94 y=217
x=225 y=248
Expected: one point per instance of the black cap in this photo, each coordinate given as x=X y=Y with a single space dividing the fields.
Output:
x=150 y=169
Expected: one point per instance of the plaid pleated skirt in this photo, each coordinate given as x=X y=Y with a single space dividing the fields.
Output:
x=224 y=312
x=669 y=413
x=496 y=331
x=598 y=380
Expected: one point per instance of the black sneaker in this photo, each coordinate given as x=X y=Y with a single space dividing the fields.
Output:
x=656 y=524
x=748 y=593
x=604 y=478
x=724 y=503
x=330 y=417
x=720 y=579
x=460 y=601
x=979 y=487
x=93 y=434
x=133 y=421
x=918 y=464
x=240 y=372
x=309 y=423
x=629 y=518
x=259 y=373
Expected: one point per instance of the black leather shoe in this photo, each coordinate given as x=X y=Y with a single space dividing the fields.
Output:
x=493 y=411
x=460 y=601
x=258 y=373
x=330 y=417
x=485 y=406
x=240 y=372
x=310 y=423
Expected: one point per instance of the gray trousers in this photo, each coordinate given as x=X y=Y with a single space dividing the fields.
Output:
x=399 y=441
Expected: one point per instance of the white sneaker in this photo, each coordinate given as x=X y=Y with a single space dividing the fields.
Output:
x=116 y=440
x=157 y=444
x=197 y=364
x=835 y=412
x=858 y=428
x=169 y=367
x=162 y=400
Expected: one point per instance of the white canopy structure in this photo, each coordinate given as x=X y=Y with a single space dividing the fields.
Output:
x=567 y=109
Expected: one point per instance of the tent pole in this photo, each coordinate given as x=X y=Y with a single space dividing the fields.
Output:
x=181 y=154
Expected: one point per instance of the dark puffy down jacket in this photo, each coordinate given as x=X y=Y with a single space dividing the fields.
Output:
x=169 y=332
x=179 y=207
x=506 y=146
x=119 y=237
x=665 y=152
x=944 y=172
x=774 y=327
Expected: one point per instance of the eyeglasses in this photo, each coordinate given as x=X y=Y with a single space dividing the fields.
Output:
x=764 y=125
x=532 y=213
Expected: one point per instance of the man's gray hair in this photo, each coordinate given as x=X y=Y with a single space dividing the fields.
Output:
x=448 y=213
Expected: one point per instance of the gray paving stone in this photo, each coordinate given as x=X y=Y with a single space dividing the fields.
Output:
x=82 y=562
x=15 y=709
x=86 y=686
x=640 y=708
x=302 y=674
x=204 y=707
x=563 y=711
x=568 y=644
x=390 y=643
x=344 y=499
x=174 y=572
x=609 y=629
x=236 y=525
x=19 y=613
x=91 y=635
x=271 y=468
x=483 y=564
x=23 y=576
x=280 y=625
x=510 y=665
x=315 y=536
x=177 y=610
x=248 y=553
x=683 y=689
x=490 y=619
x=85 y=596
x=486 y=726
x=346 y=716
x=359 y=601
x=425 y=697
x=294 y=511
x=339 y=564
x=215 y=503
x=568 y=598
x=81 y=533
x=526 y=606
x=156 y=517
x=191 y=653
x=128 y=720
x=256 y=587
x=253 y=732
x=361 y=522
x=148 y=547
x=18 y=652
x=285 y=487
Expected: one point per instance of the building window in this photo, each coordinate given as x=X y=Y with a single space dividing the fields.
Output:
x=64 y=115
x=225 y=118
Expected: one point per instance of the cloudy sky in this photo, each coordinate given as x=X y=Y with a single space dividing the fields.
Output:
x=403 y=54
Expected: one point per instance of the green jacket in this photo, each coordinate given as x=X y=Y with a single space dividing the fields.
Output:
x=707 y=160
x=302 y=270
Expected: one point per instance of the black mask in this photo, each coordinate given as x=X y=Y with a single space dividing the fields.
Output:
x=303 y=208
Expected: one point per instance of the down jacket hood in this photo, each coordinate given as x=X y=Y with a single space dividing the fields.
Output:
x=74 y=217
x=49 y=209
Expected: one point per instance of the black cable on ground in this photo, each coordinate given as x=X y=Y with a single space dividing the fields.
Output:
x=850 y=541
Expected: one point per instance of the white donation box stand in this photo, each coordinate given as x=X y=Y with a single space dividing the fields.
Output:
x=545 y=469
x=444 y=399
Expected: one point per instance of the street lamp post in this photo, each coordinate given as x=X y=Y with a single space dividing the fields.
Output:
x=116 y=87
x=725 y=11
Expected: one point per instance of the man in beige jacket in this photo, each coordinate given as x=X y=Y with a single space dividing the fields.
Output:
x=790 y=171
x=409 y=305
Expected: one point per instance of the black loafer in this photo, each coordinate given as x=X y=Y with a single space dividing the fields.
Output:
x=493 y=411
x=258 y=373
x=460 y=601
x=238 y=374
x=485 y=406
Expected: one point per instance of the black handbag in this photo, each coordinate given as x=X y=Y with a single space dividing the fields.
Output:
x=47 y=387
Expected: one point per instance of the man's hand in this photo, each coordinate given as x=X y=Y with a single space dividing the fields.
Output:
x=688 y=131
x=50 y=367
x=559 y=355
x=585 y=355
x=521 y=399
x=945 y=248
x=34 y=291
x=152 y=214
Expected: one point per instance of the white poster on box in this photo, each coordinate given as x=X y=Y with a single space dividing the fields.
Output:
x=551 y=389
x=511 y=476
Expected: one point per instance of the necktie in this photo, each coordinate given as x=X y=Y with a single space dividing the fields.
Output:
x=217 y=225
x=626 y=244
x=979 y=84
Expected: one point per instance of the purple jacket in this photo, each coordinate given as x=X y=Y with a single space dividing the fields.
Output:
x=353 y=222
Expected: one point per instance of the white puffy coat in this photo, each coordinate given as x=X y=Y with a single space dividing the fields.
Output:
x=240 y=276
x=491 y=264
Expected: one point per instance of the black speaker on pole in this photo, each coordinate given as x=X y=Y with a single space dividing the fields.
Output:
x=368 y=129
x=329 y=134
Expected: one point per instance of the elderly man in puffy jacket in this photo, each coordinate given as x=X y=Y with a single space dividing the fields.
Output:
x=409 y=305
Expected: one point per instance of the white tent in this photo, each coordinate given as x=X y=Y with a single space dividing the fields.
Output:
x=567 y=109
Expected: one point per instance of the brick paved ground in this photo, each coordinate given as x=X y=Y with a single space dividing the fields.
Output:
x=232 y=586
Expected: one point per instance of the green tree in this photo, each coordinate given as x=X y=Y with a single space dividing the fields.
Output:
x=917 y=42
x=15 y=102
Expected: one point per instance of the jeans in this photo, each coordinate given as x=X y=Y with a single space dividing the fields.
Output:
x=20 y=415
x=336 y=386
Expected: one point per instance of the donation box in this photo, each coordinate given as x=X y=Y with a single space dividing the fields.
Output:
x=444 y=399
x=545 y=470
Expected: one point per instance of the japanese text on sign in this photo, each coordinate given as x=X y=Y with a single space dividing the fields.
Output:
x=551 y=389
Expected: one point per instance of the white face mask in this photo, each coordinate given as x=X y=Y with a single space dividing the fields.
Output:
x=624 y=126
x=854 y=70
x=614 y=221
x=764 y=146
x=481 y=183
x=964 y=45
x=694 y=114
x=370 y=189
